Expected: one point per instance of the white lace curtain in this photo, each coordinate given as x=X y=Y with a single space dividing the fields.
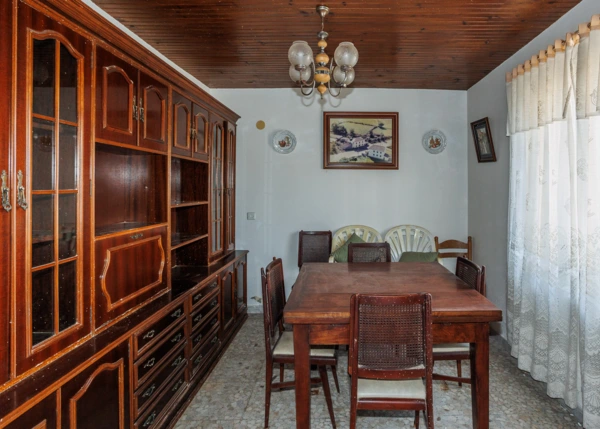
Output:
x=554 y=219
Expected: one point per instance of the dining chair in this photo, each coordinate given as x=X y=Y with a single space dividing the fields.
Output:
x=314 y=246
x=279 y=343
x=454 y=248
x=368 y=235
x=409 y=238
x=390 y=359
x=369 y=252
x=473 y=275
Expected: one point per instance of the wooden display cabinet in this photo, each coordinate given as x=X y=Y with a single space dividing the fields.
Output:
x=51 y=180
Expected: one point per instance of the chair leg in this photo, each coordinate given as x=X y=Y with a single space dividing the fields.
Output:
x=353 y=410
x=429 y=414
x=335 y=379
x=268 y=392
x=459 y=371
x=327 y=392
x=281 y=367
x=416 y=419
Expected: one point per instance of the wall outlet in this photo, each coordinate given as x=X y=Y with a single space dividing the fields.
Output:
x=251 y=216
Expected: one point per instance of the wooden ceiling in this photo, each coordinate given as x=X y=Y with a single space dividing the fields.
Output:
x=434 y=44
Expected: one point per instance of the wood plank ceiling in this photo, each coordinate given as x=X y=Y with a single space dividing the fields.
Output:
x=434 y=44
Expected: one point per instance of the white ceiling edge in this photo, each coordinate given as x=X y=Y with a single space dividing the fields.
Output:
x=141 y=41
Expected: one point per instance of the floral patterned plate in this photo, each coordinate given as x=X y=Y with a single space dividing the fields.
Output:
x=434 y=141
x=284 y=141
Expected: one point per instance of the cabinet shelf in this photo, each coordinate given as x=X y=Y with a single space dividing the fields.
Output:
x=178 y=204
x=122 y=227
x=181 y=239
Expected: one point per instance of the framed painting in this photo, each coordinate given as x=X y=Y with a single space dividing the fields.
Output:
x=360 y=140
x=482 y=137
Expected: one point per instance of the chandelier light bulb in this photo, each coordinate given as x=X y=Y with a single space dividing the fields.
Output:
x=299 y=75
x=300 y=54
x=346 y=54
x=339 y=75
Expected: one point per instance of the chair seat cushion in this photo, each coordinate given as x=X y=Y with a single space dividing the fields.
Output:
x=397 y=389
x=341 y=254
x=451 y=348
x=418 y=257
x=285 y=347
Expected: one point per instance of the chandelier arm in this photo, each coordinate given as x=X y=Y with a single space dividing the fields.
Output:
x=332 y=93
x=312 y=88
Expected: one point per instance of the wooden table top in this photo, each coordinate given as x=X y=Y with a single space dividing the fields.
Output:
x=321 y=294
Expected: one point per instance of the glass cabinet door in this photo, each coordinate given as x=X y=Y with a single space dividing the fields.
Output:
x=55 y=197
x=52 y=189
x=230 y=190
x=217 y=189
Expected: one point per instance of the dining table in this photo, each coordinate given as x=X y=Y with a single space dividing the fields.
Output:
x=318 y=308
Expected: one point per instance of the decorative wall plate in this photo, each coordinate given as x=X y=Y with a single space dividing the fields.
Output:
x=284 y=141
x=434 y=141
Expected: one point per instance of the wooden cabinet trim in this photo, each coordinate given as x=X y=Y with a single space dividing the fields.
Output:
x=110 y=251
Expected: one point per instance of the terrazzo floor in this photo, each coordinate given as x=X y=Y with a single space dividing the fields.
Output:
x=233 y=395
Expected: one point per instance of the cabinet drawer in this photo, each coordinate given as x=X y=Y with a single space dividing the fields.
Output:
x=202 y=314
x=144 y=339
x=145 y=394
x=204 y=332
x=130 y=269
x=172 y=390
x=203 y=355
x=199 y=297
x=148 y=363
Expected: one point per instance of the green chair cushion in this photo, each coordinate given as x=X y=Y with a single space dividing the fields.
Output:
x=418 y=256
x=341 y=255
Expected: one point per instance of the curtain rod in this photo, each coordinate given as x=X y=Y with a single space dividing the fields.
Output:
x=560 y=45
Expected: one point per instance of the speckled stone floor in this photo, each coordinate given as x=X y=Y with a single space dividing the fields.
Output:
x=233 y=396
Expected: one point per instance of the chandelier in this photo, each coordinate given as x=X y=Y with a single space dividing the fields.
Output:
x=341 y=68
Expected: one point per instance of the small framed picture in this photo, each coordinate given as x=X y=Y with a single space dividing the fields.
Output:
x=360 y=140
x=482 y=137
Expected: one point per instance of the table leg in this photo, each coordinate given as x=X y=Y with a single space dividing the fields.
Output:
x=302 y=375
x=480 y=378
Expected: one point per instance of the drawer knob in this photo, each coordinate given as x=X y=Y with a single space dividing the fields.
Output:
x=214 y=340
x=213 y=321
x=177 y=361
x=198 y=360
x=214 y=285
x=137 y=236
x=176 y=338
x=177 y=313
x=197 y=297
x=177 y=386
x=197 y=339
x=150 y=363
x=149 y=391
x=149 y=334
x=150 y=419
x=212 y=304
x=198 y=318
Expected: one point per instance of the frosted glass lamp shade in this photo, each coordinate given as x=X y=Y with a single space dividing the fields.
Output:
x=300 y=54
x=346 y=54
x=297 y=75
x=339 y=76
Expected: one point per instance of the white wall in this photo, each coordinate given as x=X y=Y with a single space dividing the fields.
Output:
x=488 y=182
x=293 y=192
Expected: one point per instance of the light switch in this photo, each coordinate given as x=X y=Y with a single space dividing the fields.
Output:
x=251 y=216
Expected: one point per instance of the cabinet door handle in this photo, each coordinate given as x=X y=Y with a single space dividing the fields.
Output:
x=141 y=109
x=5 y=192
x=176 y=338
x=176 y=314
x=177 y=386
x=135 y=109
x=21 y=191
x=150 y=419
x=149 y=391
x=149 y=334
x=177 y=361
x=150 y=363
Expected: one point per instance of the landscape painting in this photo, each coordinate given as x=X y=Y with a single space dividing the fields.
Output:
x=360 y=140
